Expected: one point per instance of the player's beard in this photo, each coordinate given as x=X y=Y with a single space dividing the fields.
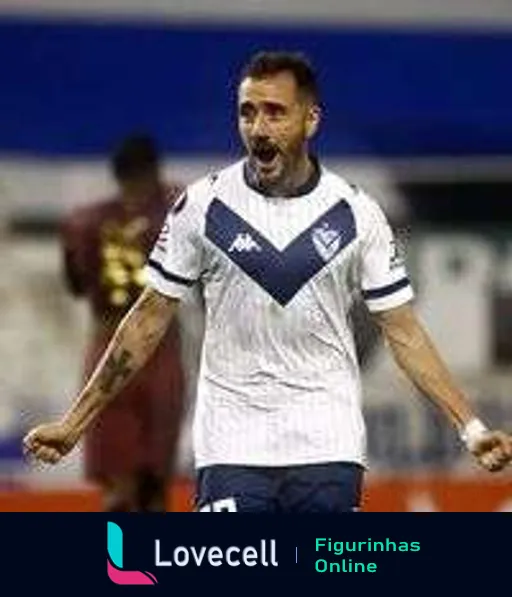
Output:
x=266 y=162
x=273 y=168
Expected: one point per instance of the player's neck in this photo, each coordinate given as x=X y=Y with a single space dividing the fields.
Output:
x=297 y=179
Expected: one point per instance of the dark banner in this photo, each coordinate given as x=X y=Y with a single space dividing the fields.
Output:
x=405 y=554
x=76 y=86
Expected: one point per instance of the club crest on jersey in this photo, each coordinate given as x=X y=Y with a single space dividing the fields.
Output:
x=244 y=243
x=326 y=241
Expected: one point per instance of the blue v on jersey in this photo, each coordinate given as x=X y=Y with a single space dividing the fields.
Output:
x=279 y=382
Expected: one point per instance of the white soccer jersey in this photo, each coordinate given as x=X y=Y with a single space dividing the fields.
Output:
x=279 y=381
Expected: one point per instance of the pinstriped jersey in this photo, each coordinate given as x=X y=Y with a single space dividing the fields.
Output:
x=279 y=382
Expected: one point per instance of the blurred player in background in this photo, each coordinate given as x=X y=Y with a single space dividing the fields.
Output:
x=280 y=246
x=130 y=450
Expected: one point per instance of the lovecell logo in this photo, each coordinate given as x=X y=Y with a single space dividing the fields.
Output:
x=116 y=573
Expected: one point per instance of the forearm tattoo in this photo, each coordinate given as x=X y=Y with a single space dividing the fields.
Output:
x=117 y=368
x=134 y=342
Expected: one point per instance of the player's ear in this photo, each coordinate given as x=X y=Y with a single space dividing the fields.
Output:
x=313 y=120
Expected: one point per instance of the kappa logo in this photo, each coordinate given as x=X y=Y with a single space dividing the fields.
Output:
x=244 y=243
x=326 y=241
x=115 y=568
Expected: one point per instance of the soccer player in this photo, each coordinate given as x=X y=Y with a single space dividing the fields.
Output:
x=279 y=246
x=130 y=449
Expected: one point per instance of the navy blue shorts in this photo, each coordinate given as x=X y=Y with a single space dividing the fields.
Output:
x=333 y=487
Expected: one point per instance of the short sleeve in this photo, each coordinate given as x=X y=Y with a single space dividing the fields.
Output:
x=174 y=264
x=384 y=279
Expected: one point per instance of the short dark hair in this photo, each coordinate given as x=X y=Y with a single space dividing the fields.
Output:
x=268 y=63
x=135 y=156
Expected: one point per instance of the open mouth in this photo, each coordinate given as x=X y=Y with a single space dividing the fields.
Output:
x=265 y=153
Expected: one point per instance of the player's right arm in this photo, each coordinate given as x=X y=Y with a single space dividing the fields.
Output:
x=175 y=265
x=134 y=341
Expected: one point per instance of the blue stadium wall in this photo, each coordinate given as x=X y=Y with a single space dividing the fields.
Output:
x=69 y=88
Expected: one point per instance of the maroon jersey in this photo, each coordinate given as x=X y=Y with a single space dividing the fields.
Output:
x=105 y=247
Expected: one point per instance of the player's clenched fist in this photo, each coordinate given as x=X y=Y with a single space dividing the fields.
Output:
x=493 y=450
x=50 y=442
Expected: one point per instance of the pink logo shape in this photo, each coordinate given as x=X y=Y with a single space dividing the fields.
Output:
x=129 y=577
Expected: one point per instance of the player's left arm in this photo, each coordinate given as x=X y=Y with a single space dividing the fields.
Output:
x=417 y=356
x=388 y=294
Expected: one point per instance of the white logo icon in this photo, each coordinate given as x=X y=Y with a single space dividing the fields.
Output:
x=326 y=241
x=244 y=243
